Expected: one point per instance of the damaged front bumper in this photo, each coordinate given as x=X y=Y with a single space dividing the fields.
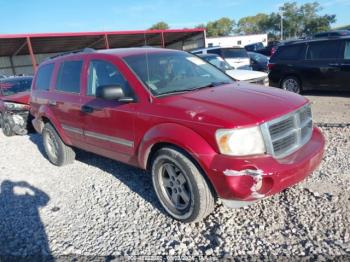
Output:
x=243 y=181
x=19 y=121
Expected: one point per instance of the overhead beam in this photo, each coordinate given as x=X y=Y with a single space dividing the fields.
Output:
x=20 y=48
x=32 y=56
x=96 y=42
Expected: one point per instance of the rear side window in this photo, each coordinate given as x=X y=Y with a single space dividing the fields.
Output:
x=68 y=79
x=289 y=53
x=43 y=77
x=347 y=50
x=214 y=51
x=323 y=50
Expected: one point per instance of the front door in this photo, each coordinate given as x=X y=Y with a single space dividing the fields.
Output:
x=344 y=76
x=108 y=125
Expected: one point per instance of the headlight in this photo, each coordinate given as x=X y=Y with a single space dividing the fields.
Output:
x=266 y=81
x=240 y=142
x=15 y=106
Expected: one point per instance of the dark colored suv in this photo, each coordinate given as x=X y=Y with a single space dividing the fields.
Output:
x=201 y=134
x=322 y=64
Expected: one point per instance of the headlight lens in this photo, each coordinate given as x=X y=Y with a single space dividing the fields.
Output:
x=240 y=142
x=15 y=106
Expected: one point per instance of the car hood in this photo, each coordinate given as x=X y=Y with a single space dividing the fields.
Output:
x=21 y=98
x=245 y=75
x=232 y=105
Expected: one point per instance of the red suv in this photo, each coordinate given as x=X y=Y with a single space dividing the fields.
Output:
x=202 y=135
x=14 y=105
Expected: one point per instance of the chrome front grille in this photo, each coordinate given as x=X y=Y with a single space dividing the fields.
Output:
x=288 y=133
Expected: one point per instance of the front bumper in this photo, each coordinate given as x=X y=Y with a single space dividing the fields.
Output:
x=19 y=121
x=237 y=180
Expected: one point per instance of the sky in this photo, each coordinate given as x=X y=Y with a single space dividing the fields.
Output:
x=45 y=16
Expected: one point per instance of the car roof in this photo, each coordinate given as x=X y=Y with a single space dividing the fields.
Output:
x=320 y=39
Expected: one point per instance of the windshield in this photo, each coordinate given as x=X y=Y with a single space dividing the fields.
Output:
x=172 y=72
x=234 y=53
x=12 y=87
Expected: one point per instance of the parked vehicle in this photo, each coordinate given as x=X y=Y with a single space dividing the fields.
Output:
x=270 y=49
x=201 y=135
x=334 y=33
x=259 y=62
x=237 y=57
x=249 y=76
x=318 y=64
x=255 y=46
x=14 y=105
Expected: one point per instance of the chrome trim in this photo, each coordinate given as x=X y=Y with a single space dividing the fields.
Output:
x=112 y=139
x=298 y=126
x=73 y=129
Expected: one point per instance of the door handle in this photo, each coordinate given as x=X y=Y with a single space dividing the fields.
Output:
x=87 y=109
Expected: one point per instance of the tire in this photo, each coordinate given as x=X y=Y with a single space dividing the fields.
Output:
x=6 y=126
x=180 y=186
x=56 y=150
x=1 y=120
x=291 y=84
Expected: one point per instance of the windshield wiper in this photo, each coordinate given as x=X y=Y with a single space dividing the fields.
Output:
x=212 y=84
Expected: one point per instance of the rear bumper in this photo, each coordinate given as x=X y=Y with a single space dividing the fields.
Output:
x=249 y=179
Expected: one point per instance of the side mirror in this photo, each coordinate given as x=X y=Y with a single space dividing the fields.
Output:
x=111 y=92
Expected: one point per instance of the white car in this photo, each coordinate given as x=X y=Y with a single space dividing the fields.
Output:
x=236 y=57
x=250 y=76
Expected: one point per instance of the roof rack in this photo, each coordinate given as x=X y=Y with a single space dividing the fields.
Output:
x=84 y=50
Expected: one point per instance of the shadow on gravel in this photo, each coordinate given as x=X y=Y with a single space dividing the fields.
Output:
x=138 y=180
x=22 y=234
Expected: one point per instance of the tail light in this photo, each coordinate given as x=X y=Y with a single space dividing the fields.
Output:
x=273 y=50
x=270 y=66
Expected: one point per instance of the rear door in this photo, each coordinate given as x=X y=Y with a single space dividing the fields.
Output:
x=65 y=99
x=321 y=67
x=108 y=125
x=344 y=75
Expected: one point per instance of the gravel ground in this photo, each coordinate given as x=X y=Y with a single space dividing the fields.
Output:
x=330 y=107
x=99 y=207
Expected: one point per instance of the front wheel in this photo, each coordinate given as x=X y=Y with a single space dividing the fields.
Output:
x=5 y=122
x=291 y=84
x=56 y=150
x=180 y=186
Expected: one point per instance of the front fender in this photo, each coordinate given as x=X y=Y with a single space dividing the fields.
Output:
x=45 y=112
x=180 y=136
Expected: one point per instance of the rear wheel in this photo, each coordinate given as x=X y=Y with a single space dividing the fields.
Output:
x=291 y=84
x=57 y=151
x=180 y=186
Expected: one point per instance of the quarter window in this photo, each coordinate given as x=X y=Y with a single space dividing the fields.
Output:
x=68 y=79
x=43 y=78
x=323 y=50
x=289 y=53
x=102 y=73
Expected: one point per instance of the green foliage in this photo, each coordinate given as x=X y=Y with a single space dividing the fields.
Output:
x=159 y=26
x=222 y=27
x=298 y=20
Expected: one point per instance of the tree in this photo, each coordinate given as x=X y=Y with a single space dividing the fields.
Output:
x=159 y=26
x=221 y=27
x=298 y=20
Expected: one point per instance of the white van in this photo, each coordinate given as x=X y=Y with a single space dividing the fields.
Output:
x=237 y=57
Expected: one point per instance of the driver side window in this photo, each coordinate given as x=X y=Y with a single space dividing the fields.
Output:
x=103 y=73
